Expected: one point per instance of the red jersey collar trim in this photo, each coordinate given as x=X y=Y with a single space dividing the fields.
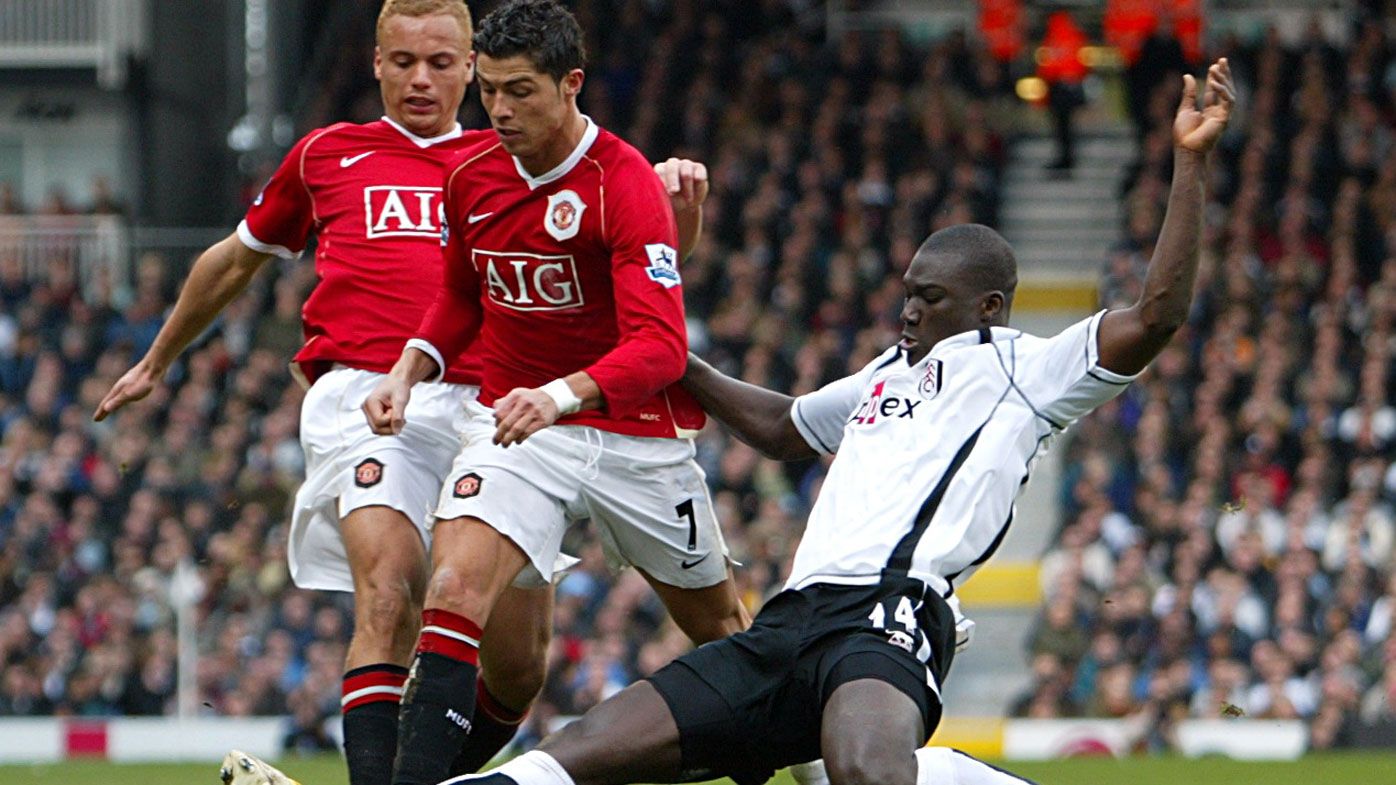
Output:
x=557 y=172
x=423 y=142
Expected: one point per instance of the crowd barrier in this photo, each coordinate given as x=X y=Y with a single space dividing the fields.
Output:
x=132 y=739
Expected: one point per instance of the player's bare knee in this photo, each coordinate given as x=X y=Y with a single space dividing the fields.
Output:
x=455 y=591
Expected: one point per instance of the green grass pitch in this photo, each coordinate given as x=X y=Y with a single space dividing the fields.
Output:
x=1367 y=768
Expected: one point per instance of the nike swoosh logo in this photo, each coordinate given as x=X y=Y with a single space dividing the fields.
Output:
x=474 y=219
x=688 y=565
x=348 y=161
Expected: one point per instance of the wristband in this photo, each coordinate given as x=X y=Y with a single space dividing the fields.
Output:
x=562 y=395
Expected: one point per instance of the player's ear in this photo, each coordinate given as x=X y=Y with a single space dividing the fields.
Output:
x=990 y=307
x=572 y=82
x=377 y=63
x=470 y=67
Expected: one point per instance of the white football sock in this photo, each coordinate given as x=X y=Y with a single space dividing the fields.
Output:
x=531 y=768
x=944 y=766
x=811 y=773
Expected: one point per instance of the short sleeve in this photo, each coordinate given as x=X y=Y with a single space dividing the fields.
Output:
x=1065 y=374
x=280 y=218
x=820 y=416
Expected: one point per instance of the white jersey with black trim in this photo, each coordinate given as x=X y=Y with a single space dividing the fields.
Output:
x=931 y=456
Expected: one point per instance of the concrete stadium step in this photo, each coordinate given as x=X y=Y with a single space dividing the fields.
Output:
x=1085 y=178
x=1096 y=189
x=1042 y=208
x=992 y=671
x=1112 y=148
x=1095 y=234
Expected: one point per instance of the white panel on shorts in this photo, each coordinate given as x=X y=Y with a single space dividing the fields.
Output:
x=646 y=496
x=349 y=467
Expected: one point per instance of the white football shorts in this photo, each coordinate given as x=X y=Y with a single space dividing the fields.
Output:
x=647 y=498
x=348 y=466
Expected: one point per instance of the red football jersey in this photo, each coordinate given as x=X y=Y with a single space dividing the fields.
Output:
x=372 y=195
x=574 y=270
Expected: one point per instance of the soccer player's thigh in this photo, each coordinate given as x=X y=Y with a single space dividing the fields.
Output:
x=519 y=492
x=383 y=510
x=879 y=708
x=870 y=733
x=651 y=508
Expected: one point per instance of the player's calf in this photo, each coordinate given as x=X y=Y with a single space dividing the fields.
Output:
x=388 y=564
x=473 y=565
x=514 y=663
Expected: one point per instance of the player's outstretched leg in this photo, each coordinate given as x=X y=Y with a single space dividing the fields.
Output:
x=472 y=564
x=513 y=664
x=631 y=737
x=870 y=733
x=389 y=565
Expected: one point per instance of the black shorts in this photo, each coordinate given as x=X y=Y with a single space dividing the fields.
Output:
x=753 y=703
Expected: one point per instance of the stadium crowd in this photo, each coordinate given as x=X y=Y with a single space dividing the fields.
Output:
x=1234 y=554
x=828 y=166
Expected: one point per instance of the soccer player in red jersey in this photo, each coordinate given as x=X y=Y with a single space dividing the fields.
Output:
x=560 y=256
x=372 y=195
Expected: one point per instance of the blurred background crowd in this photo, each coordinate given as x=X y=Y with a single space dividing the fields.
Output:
x=1232 y=554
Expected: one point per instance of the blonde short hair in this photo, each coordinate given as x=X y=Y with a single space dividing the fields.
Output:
x=456 y=8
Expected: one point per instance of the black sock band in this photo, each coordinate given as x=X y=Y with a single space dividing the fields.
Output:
x=436 y=706
x=370 y=704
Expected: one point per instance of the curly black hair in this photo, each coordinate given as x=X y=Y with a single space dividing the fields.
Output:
x=541 y=30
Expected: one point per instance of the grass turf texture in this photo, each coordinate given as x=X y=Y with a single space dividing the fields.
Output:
x=1365 y=768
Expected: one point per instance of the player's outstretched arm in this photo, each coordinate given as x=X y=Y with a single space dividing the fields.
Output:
x=686 y=182
x=757 y=416
x=219 y=275
x=1129 y=338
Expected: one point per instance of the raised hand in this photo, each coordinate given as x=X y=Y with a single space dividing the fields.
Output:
x=685 y=181
x=1197 y=129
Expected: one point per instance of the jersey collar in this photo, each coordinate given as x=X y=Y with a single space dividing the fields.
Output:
x=423 y=142
x=975 y=337
x=557 y=172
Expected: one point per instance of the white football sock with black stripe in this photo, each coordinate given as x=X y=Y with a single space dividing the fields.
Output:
x=531 y=768
x=946 y=766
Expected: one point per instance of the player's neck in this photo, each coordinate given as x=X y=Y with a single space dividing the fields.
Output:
x=560 y=148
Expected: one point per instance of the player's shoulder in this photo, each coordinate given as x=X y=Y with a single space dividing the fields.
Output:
x=478 y=148
x=341 y=132
x=616 y=154
x=886 y=360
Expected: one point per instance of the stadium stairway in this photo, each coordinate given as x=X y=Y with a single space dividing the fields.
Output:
x=1061 y=229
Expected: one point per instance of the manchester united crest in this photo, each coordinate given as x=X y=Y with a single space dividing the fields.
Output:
x=368 y=473
x=930 y=383
x=564 y=217
x=467 y=486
